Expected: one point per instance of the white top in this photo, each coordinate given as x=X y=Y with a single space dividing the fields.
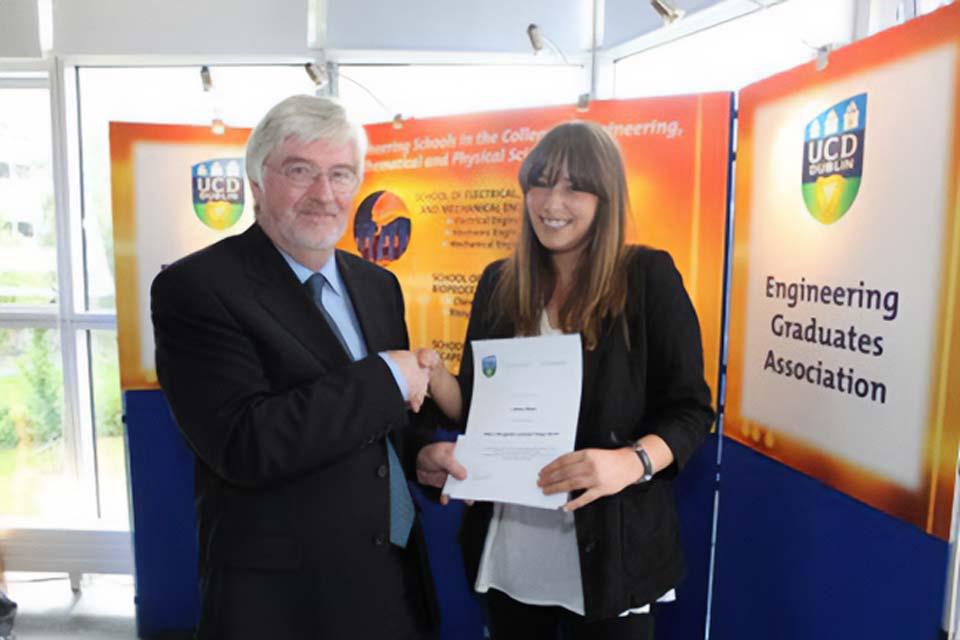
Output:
x=531 y=554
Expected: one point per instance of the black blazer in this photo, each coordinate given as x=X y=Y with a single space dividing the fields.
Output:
x=292 y=477
x=629 y=543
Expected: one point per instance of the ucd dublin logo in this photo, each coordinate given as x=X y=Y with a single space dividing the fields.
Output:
x=489 y=366
x=218 y=192
x=833 y=158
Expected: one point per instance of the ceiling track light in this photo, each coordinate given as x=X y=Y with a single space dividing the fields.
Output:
x=539 y=40
x=536 y=37
x=205 y=78
x=583 y=102
x=318 y=75
x=216 y=124
x=667 y=11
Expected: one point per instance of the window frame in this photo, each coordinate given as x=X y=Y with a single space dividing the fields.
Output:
x=68 y=315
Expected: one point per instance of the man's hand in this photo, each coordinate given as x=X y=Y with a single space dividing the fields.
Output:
x=435 y=462
x=429 y=359
x=416 y=376
x=601 y=472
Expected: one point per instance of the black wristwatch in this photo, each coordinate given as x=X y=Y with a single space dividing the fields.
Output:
x=647 y=464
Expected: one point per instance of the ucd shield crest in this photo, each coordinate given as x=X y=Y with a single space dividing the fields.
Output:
x=489 y=366
x=218 y=192
x=833 y=158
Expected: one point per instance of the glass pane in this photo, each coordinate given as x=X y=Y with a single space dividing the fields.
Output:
x=165 y=95
x=28 y=275
x=36 y=480
x=107 y=417
x=424 y=90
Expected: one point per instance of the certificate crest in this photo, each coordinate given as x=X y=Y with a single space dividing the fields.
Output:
x=489 y=366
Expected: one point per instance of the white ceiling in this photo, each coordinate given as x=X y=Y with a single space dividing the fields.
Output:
x=252 y=28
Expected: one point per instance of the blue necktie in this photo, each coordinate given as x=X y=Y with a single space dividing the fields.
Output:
x=401 y=504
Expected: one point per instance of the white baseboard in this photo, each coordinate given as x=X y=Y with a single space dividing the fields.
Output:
x=72 y=551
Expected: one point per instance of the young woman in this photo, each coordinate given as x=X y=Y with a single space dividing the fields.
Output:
x=592 y=569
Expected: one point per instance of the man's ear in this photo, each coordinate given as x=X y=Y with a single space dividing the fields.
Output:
x=256 y=190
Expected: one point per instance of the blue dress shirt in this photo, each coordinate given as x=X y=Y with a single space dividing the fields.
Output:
x=337 y=303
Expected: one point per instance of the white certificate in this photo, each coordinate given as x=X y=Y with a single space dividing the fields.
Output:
x=526 y=400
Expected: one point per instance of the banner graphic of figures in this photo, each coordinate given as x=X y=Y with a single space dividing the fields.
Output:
x=844 y=343
x=382 y=227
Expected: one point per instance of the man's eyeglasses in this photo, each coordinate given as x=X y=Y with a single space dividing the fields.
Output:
x=304 y=174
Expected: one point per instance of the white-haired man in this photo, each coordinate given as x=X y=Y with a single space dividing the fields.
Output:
x=285 y=363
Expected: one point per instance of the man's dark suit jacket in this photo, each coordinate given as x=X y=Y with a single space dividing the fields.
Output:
x=292 y=477
x=644 y=377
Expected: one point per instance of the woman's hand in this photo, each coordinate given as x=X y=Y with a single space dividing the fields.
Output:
x=442 y=386
x=601 y=472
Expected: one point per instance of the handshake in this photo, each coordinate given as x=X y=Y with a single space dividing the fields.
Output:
x=417 y=368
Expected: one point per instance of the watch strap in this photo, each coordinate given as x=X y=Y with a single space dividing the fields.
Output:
x=647 y=463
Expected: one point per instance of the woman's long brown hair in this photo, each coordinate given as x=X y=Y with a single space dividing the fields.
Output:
x=599 y=289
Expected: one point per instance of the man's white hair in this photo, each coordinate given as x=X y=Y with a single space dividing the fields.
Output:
x=306 y=118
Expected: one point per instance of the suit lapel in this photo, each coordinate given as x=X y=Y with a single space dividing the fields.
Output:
x=277 y=289
x=367 y=305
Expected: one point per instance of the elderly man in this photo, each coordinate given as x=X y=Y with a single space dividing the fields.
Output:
x=286 y=365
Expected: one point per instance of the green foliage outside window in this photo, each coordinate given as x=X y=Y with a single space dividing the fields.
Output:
x=8 y=430
x=37 y=366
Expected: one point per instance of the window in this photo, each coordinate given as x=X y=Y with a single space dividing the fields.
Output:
x=35 y=464
x=48 y=455
x=27 y=231
x=110 y=449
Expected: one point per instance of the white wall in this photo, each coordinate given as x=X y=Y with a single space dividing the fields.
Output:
x=250 y=28
x=457 y=25
x=19 y=29
x=180 y=27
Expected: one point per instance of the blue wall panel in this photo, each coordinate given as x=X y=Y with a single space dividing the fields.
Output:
x=798 y=560
x=164 y=523
x=686 y=618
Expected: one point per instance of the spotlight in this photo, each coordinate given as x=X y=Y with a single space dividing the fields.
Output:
x=667 y=11
x=823 y=56
x=218 y=127
x=536 y=37
x=538 y=40
x=583 y=102
x=398 y=121
x=205 y=78
x=317 y=74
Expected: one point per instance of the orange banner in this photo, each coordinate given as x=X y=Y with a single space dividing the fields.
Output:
x=439 y=201
x=844 y=344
